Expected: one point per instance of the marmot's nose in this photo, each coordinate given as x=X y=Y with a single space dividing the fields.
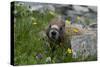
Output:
x=53 y=33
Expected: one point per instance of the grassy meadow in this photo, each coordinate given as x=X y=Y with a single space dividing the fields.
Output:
x=30 y=46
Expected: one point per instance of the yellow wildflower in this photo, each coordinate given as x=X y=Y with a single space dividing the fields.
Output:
x=69 y=50
x=68 y=22
x=75 y=30
x=34 y=23
x=78 y=17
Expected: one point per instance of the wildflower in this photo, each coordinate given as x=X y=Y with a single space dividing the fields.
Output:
x=75 y=30
x=78 y=17
x=69 y=51
x=73 y=19
x=34 y=23
x=68 y=22
x=39 y=56
x=48 y=59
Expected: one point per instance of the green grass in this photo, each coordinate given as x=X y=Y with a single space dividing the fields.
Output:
x=28 y=40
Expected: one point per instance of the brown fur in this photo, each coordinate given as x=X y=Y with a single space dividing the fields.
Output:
x=61 y=24
x=64 y=40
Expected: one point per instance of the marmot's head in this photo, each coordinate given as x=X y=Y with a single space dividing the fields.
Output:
x=56 y=29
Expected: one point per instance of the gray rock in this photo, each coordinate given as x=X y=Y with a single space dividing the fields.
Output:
x=93 y=8
x=73 y=12
x=84 y=46
x=80 y=8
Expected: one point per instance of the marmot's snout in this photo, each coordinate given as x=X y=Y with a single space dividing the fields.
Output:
x=54 y=34
x=56 y=29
